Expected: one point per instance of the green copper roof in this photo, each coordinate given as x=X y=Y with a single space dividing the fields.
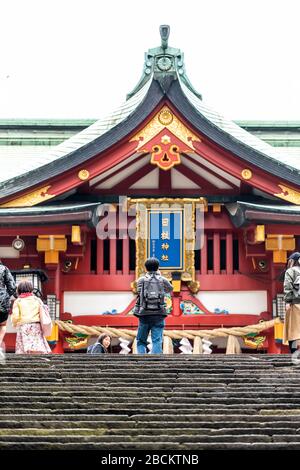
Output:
x=164 y=61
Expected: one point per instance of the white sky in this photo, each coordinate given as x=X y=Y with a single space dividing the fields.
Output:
x=79 y=58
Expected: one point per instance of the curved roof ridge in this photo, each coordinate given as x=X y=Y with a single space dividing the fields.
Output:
x=80 y=139
x=231 y=128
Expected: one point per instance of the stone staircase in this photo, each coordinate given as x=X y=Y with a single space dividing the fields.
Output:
x=176 y=402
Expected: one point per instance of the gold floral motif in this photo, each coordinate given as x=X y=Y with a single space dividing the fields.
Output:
x=158 y=123
x=247 y=174
x=30 y=199
x=289 y=194
x=165 y=117
x=83 y=175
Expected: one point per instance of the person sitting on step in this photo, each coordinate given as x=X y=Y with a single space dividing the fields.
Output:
x=101 y=346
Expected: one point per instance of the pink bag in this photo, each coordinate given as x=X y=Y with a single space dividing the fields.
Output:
x=45 y=319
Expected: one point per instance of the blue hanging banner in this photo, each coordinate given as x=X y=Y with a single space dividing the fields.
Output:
x=165 y=237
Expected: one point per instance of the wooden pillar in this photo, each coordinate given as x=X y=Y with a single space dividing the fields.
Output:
x=216 y=239
x=203 y=265
x=99 y=256
x=57 y=282
x=125 y=260
x=229 y=253
x=58 y=348
x=112 y=256
x=273 y=347
x=176 y=306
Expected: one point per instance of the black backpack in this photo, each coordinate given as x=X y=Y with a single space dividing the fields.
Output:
x=153 y=295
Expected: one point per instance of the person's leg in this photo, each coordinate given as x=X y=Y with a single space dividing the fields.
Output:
x=157 y=331
x=142 y=336
x=2 y=332
x=293 y=346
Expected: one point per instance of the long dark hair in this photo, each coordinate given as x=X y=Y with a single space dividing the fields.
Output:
x=101 y=338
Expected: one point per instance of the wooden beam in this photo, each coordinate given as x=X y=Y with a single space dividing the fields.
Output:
x=165 y=180
x=213 y=173
x=133 y=178
x=116 y=172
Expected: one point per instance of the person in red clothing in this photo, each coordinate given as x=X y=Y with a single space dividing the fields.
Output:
x=26 y=318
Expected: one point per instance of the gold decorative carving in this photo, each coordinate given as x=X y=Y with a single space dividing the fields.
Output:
x=165 y=117
x=288 y=194
x=165 y=156
x=83 y=175
x=189 y=207
x=162 y=120
x=30 y=199
x=247 y=174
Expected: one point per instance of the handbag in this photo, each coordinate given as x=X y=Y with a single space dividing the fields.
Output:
x=45 y=319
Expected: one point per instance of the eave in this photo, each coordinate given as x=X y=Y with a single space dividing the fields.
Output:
x=50 y=215
x=244 y=213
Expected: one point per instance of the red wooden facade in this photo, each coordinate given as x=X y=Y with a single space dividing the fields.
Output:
x=246 y=190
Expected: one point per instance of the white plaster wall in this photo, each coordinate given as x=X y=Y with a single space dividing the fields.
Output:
x=251 y=302
x=95 y=303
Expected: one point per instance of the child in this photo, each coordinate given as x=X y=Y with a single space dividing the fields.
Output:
x=26 y=318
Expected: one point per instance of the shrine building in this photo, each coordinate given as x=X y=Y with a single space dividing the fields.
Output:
x=84 y=203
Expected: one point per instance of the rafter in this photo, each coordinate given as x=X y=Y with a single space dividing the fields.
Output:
x=212 y=172
x=127 y=165
x=131 y=179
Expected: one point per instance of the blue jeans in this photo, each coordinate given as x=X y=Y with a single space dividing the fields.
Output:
x=156 y=326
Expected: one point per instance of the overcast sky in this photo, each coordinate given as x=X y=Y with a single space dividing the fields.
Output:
x=79 y=58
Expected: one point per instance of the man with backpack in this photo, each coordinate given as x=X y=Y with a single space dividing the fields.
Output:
x=150 y=307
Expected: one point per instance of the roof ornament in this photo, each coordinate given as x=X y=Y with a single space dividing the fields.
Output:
x=164 y=64
x=164 y=30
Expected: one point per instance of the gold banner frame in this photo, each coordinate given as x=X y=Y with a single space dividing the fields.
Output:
x=189 y=206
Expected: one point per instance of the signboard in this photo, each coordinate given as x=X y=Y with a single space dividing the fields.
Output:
x=165 y=237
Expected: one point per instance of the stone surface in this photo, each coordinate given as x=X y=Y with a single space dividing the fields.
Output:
x=176 y=402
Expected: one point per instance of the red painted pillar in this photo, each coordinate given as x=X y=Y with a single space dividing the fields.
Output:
x=99 y=256
x=217 y=260
x=229 y=253
x=176 y=305
x=112 y=256
x=203 y=268
x=58 y=348
x=273 y=347
x=125 y=261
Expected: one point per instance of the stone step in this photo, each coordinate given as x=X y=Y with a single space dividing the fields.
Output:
x=149 y=431
x=102 y=439
x=112 y=446
x=159 y=409
x=133 y=427
x=212 y=396
x=182 y=402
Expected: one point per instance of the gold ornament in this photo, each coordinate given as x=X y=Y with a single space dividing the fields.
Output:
x=160 y=121
x=83 y=175
x=288 y=194
x=31 y=199
x=165 y=117
x=247 y=174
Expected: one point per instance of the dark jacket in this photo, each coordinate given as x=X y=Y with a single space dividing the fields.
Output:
x=7 y=288
x=138 y=311
x=96 y=348
x=290 y=293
